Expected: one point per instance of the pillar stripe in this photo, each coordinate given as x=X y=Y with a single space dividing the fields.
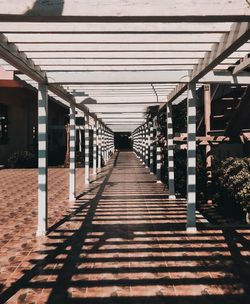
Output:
x=42 y=224
x=191 y=158
x=170 y=151
x=72 y=134
x=86 y=154
x=158 y=158
x=94 y=149
x=151 y=150
x=99 y=147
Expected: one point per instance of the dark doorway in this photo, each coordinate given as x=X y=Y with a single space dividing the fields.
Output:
x=123 y=141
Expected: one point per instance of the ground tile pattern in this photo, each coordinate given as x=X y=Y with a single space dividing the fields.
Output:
x=122 y=241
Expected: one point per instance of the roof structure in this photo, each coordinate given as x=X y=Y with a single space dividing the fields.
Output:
x=115 y=58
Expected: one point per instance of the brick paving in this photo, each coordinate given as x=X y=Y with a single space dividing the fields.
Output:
x=122 y=241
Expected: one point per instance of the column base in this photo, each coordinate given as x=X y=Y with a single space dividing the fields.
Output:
x=191 y=230
x=40 y=233
x=72 y=199
x=159 y=182
x=173 y=197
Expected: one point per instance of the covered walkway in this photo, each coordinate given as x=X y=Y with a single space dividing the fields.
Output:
x=123 y=241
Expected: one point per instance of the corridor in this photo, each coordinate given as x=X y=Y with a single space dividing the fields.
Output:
x=124 y=242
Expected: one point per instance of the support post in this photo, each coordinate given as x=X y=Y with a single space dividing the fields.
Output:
x=99 y=147
x=42 y=224
x=170 y=151
x=86 y=154
x=94 y=149
x=146 y=145
x=191 y=159
x=80 y=139
x=207 y=114
x=158 y=157
x=72 y=135
x=151 y=149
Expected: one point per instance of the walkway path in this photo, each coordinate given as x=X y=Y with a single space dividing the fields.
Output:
x=124 y=242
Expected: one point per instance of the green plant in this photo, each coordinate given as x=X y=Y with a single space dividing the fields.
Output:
x=234 y=183
x=22 y=159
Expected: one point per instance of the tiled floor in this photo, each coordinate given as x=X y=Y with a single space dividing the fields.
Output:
x=121 y=242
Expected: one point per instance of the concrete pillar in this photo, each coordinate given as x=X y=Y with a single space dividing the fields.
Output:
x=170 y=151
x=99 y=147
x=86 y=154
x=147 y=145
x=191 y=158
x=151 y=148
x=158 y=157
x=94 y=149
x=143 y=145
x=207 y=115
x=72 y=139
x=80 y=139
x=42 y=224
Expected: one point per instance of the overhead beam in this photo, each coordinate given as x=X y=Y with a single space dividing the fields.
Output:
x=116 y=77
x=113 y=38
x=241 y=66
x=104 y=47
x=229 y=43
x=123 y=11
x=10 y=53
x=88 y=28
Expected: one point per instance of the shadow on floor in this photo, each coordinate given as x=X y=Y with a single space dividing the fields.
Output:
x=133 y=248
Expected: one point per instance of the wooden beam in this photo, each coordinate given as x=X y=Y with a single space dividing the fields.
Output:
x=123 y=11
x=230 y=42
x=108 y=77
x=104 y=47
x=89 y=28
x=245 y=63
x=113 y=38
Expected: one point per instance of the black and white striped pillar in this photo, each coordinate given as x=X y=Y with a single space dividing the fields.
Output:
x=158 y=157
x=94 y=149
x=72 y=139
x=42 y=224
x=151 y=148
x=191 y=158
x=143 y=145
x=147 y=145
x=86 y=154
x=170 y=151
x=99 y=162
x=80 y=139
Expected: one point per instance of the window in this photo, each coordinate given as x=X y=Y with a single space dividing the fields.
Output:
x=3 y=124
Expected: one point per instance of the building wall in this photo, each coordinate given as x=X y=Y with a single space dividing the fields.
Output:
x=22 y=123
x=21 y=116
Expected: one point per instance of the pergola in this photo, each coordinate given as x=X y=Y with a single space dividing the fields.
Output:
x=112 y=59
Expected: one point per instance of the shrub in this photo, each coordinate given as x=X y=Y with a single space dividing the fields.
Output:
x=22 y=159
x=234 y=183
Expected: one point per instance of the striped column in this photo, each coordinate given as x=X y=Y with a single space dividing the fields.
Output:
x=80 y=139
x=72 y=138
x=86 y=154
x=170 y=151
x=146 y=145
x=143 y=145
x=158 y=158
x=99 y=147
x=191 y=158
x=151 y=148
x=42 y=224
x=94 y=149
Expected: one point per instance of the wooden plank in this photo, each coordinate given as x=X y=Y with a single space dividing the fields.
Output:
x=113 y=38
x=87 y=28
x=125 y=11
